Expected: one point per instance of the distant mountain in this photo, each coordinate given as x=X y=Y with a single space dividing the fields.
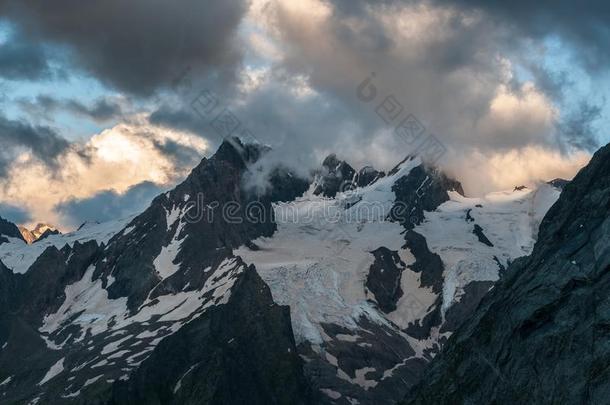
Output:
x=542 y=335
x=41 y=231
x=338 y=289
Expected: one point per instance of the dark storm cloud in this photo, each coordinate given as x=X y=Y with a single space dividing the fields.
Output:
x=42 y=141
x=21 y=59
x=16 y=215
x=182 y=118
x=102 y=109
x=578 y=127
x=585 y=24
x=135 y=45
x=183 y=156
x=108 y=205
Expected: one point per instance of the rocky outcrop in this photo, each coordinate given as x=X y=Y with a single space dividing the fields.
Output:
x=285 y=185
x=542 y=334
x=478 y=231
x=9 y=230
x=336 y=176
x=367 y=176
x=430 y=267
x=423 y=189
x=383 y=279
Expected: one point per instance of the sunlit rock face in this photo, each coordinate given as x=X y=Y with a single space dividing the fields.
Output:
x=41 y=231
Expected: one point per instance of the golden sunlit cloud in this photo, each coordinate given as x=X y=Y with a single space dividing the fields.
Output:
x=115 y=159
x=482 y=173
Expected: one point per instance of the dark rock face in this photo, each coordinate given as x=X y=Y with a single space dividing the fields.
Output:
x=239 y=353
x=46 y=234
x=24 y=356
x=431 y=268
x=380 y=347
x=286 y=186
x=427 y=263
x=469 y=217
x=336 y=176
x=423 y=189
x=8 y=292
x=42 y=287
x=367 y=175
x=383 y=279
x=461 y=311
x=542 y=334
x=478 y=231
x=8 y=229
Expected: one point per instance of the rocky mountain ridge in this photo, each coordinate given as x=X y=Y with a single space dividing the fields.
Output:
x=338 y=290
x=542 y=335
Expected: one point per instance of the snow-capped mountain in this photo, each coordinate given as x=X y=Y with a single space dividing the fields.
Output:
x=41 y=231
x=336 y=290
x=373 y=299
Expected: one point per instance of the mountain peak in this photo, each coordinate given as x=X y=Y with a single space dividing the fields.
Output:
x=41 y=231
x=334 y=176
x=239 y=152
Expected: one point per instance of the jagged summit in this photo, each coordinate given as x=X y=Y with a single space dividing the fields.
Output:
x=239 y=152
x=367 y=175
x=41 y=231
x=335 y=176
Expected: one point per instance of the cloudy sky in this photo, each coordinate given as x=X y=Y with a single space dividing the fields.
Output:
x=104 y=104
